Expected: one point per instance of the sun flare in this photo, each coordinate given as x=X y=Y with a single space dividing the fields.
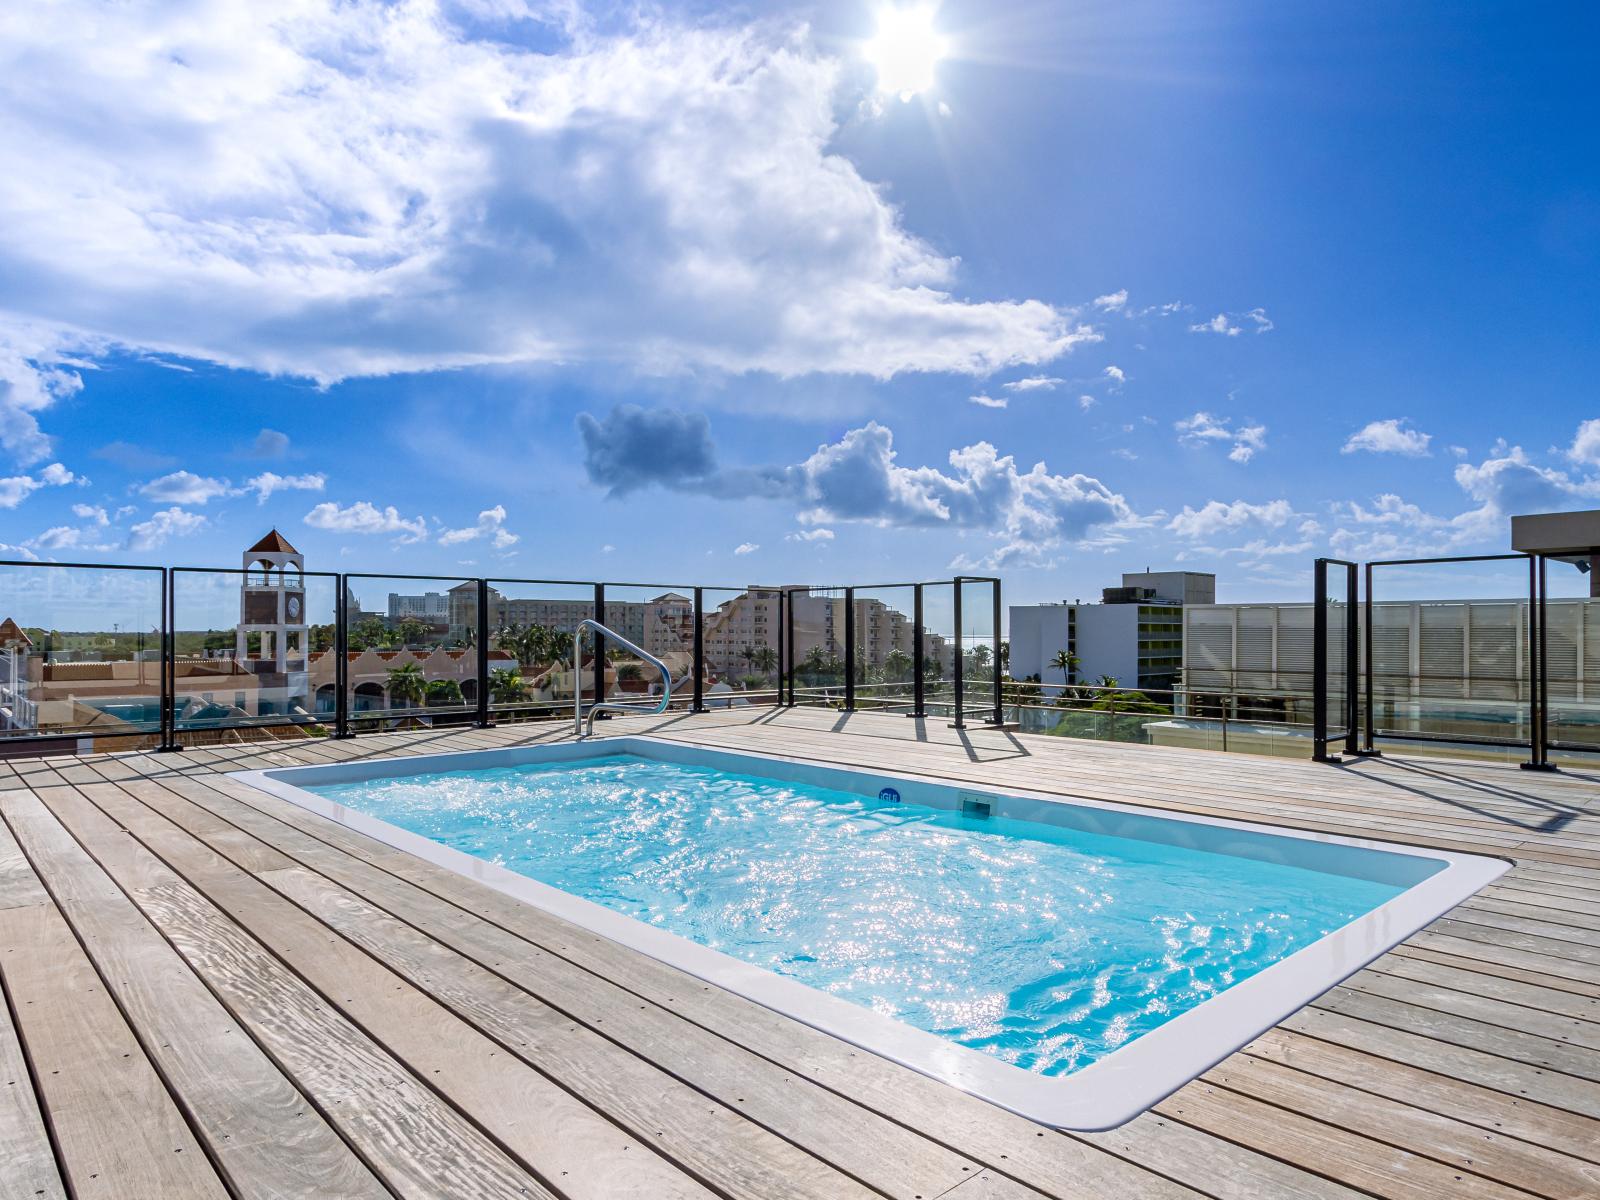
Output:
x=906 y=49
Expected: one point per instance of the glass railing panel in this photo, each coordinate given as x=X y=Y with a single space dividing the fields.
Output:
x=818 y=625
x=532 y=674
x=742 y=630
x=885 y=627
x=980 y=639
x=660 y=619
x=80 y=653
x=413 y=659
x=253 y=649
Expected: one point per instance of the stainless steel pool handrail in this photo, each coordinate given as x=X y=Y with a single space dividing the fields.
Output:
x=578 y=729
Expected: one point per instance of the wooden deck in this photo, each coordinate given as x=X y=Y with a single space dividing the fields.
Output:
x=211 y=993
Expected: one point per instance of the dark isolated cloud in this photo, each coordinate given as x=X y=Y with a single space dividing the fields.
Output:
x=635 y=447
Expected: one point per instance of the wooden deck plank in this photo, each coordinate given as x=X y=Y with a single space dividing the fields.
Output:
x=25 y=1150
x=416 y=1144
x=264 y=1136
x=117 y=1131
x=1460 y=1145
x=1362 y=1162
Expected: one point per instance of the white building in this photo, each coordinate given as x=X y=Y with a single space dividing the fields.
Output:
x=1133 y=635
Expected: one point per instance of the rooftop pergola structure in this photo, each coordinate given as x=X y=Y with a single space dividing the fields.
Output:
x=1572 y=537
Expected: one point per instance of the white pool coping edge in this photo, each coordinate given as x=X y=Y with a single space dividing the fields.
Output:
x=1103 y=1095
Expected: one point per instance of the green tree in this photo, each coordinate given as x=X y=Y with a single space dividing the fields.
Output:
x=507 y=686
x=444 y=692
x=368 y=634
x=766 y=660
x=407 y=686
x=322 y=638
x=409 y=632
x=897 y=665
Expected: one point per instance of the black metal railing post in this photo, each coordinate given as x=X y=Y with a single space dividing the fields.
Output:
x=1352 y=661
x=699 y=657
x=169 y=668
x=1369 y=716
x=959 y=665
x=918 y=655
x=599 y=654
x=485 y=720
x=999 y=674
x=849 y=649
x=1538 y=667
x=788 y=634
x=341 y=660
x=1319 y=664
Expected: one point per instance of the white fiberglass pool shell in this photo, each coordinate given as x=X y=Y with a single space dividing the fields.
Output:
x=1101 y=1095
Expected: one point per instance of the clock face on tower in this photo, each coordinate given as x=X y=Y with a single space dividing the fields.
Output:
x=294 y=608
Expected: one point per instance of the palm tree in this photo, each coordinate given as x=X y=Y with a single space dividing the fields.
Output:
x=749 y=656
x=766 y=660
x=407 y=686
x=815 y=661
x=1067 y=663
x=507 y=686
x=897 y=665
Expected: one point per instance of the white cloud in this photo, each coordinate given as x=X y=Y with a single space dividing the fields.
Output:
x=1586 y=444
x=185 y=487
x=268 y=482
x=270 y=443
x=1389 y=437
x=1086 y=402
x=1505 y=484
x=1034 y=383
x=987 y=401
x=809 y=535
x=1203 y=428
x=1116 y=375
x=1112 y=301
x=1250 y=439
x=329 y=190
x=363 y=517
x=167 y=523
x=37 y=369
x=1225 y=324
x=91 y=512
x=491 y=525
x=17 y=488
x=746 y=548
x=1218 y=517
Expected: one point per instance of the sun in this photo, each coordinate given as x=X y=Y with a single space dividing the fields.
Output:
x=906 y=49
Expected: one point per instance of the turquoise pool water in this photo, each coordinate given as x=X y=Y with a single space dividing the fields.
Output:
x=1044 y=946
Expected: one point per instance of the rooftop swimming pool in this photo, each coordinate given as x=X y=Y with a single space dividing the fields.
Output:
x=1070 y=960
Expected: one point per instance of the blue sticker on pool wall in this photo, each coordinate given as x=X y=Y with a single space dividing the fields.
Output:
x=889 y=795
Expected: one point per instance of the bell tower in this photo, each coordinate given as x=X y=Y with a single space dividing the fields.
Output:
x=272 y=604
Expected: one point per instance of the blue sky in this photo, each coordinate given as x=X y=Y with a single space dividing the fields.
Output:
x=679 y=293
